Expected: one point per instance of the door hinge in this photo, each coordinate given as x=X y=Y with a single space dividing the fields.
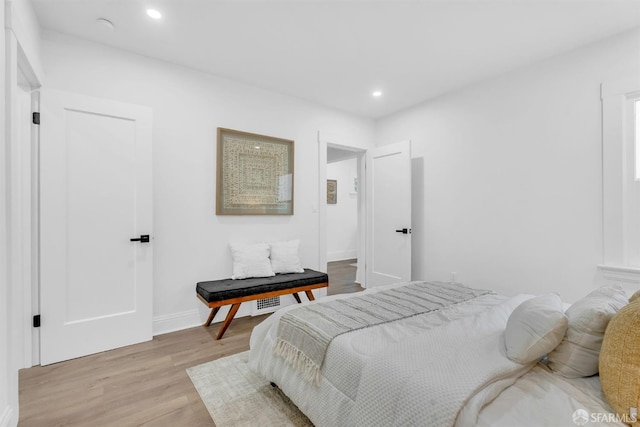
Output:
x=36 y=118
x=36 y=321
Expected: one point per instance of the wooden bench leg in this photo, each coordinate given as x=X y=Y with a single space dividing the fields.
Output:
x=297 y=297
x=212 y=315
x=227 y=321
x=309 y=295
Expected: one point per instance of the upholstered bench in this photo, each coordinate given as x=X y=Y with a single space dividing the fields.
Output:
x=218 y=293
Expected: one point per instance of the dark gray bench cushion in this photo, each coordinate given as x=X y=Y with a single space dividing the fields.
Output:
x=220 y=290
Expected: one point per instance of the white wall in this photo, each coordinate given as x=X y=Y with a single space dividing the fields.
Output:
x=5 y=389
x=191 y=242
x=342 y=218
x=507 y=174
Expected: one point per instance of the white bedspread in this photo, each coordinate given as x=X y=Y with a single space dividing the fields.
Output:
x=304 y=334
x=427 y=380
x=541 y=398
x=346 y=357
x=538 y=398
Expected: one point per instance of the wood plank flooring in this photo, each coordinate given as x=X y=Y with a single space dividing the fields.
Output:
x=342 y=277
x=144 y=384
x=139 y=385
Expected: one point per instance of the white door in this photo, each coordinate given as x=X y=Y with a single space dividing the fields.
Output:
x=388 y=189
x=96 y=284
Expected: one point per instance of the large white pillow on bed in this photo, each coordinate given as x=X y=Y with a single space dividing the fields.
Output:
x=578 y=353
x=284 y=257
x=535 y=328
x=251 y=260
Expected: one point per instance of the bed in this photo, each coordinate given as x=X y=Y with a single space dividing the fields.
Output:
x=445 y=366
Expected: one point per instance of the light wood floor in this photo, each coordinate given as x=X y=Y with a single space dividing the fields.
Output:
x=342 y=276
x=144 y=384
x=139 y=385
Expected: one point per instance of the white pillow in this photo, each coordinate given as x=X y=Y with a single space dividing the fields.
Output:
x=578 y=353
x=284 y=257
x=535 y=328
x=251 y=261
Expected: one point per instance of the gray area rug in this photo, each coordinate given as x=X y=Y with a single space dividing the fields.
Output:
x=236 y=396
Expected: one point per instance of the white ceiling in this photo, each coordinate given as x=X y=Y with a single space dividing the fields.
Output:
x=335 y=53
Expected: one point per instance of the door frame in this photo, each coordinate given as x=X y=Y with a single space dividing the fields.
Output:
x=360 y=155
x=23 y=248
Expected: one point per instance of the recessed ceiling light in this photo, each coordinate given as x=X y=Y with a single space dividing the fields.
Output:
x=105 y=23
x=154 y=13
x=377 y=93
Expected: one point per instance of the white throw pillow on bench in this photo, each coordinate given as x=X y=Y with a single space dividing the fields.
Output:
x=284 y=257
x=251 y=260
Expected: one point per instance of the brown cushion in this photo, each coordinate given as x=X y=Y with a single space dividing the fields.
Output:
x=620 y=361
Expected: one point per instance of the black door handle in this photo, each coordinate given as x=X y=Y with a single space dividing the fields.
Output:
x=144 y=238
x=404 y=231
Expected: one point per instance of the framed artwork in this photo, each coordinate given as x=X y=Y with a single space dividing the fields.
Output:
x=254 y=174
x=332 y=191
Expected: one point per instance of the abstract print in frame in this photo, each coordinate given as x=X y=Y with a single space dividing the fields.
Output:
x=254 y=174
x=332 y=191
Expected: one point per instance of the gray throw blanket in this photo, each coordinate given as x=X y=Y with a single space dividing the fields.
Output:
x=304 y=333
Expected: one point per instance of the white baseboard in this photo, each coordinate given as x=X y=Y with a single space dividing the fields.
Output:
x=167 y=323
x=342 y=255
x=176 y=322
x=5 y=418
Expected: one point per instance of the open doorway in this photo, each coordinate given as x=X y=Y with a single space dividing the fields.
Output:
x=384 y=212
x=344 y=227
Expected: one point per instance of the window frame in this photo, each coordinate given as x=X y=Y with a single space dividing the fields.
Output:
x=620 y=172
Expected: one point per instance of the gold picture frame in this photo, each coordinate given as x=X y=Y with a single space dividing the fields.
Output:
x=254 y=174
x=332 y=191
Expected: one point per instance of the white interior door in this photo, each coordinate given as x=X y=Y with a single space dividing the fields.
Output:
x=96 y=284
x=388 y=214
